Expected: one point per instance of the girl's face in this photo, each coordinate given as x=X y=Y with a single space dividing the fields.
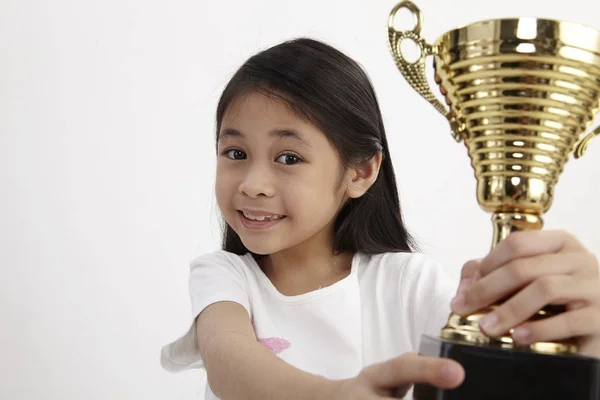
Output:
x=279 y=180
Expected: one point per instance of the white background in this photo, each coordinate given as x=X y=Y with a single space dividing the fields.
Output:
x=106 y=171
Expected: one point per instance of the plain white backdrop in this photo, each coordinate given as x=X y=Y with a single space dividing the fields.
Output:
x=106 y=171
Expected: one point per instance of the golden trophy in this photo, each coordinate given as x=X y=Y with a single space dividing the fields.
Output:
x=520 y=93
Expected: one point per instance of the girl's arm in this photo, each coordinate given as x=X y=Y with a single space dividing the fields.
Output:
x=239 y=367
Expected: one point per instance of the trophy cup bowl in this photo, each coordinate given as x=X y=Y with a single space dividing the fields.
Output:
x=521 y=94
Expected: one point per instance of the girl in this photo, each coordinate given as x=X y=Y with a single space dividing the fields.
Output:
x=317 y=293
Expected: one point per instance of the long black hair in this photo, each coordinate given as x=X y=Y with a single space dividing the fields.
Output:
x=329 y=89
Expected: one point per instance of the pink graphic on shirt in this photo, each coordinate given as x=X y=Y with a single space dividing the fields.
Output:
x=275 y=344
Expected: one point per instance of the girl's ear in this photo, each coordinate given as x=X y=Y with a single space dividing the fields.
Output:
x=363 y=175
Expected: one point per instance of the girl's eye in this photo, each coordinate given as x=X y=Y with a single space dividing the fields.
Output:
x=235 y=154
x=288 y=159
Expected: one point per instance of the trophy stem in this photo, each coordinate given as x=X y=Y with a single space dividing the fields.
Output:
x=507 y=222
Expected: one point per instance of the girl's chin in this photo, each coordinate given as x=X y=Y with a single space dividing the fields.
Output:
x=260 y=250
x=263 y=246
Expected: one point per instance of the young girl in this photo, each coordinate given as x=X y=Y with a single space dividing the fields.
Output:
x=317 y=293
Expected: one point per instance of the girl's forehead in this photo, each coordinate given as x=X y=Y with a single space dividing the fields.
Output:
x=260 y=107
x=258 y=114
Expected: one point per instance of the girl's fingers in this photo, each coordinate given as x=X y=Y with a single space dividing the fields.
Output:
x=471 y=270
x=576 y=323
x=513 y=276
x=555 y=289
x=400 y=392
x=414 y=368
x=529 y=244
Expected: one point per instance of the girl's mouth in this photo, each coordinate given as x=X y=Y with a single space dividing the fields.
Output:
x=262 y=221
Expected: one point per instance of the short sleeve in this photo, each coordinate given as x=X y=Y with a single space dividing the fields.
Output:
x=431 y=290
x=215 y=277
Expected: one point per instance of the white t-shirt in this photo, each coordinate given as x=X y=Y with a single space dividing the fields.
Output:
x=379 y=311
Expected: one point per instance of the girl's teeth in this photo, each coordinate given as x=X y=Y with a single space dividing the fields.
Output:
x=261 y=217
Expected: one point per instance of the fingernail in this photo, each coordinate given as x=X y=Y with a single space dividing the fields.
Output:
x=521 y=334
x=489 y=321
x=463 y=284
x=458 y=301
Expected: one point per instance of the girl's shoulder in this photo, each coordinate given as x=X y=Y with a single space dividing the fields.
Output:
x=400 y=263
x=414 y=283
x=405 y=272
x=224 y=261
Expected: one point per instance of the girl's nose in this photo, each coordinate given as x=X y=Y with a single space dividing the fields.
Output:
x=257 y=182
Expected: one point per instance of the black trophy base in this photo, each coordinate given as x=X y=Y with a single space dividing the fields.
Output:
x=494 y=374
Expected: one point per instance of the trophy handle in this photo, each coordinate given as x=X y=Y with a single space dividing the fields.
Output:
x=581 y=147
x=414 y=72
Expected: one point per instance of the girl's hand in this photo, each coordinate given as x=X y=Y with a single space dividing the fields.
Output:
x=394 y=378
x=533 y=269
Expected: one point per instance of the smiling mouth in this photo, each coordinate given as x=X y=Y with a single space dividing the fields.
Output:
x=262 y=217
x=253 y=221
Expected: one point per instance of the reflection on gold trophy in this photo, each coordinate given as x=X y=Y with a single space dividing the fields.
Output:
x=520 y=94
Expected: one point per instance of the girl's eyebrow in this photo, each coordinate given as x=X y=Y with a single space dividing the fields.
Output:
x=230 y=132
x=289 y=134
x=276 y=133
